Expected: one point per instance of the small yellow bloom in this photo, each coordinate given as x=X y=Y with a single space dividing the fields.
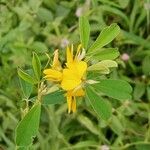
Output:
x=71 y=77
x=74 y=73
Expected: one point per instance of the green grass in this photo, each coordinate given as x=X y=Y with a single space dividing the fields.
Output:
x=43 y=26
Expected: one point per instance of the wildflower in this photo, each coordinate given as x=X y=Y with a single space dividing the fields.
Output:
x=64 y=42
x=71 y=77
x=74 y=73
x=125 y=57
x=79 y=11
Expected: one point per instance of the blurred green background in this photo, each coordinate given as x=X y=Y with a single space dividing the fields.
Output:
x=45 y=25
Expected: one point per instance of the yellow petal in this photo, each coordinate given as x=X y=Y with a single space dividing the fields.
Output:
x=70 y=74
x=53 y=75
x=69 y=56
x=78 y=92
x=56 y=64
x=78 y=52
x=67 y=84
x=80 y=68
x=73 y=105
x=69 y=102
x=70 y=79
x=79 y=48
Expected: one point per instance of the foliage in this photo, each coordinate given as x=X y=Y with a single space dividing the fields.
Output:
x=41 y=26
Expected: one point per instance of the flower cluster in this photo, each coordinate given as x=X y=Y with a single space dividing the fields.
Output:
x=71 y=77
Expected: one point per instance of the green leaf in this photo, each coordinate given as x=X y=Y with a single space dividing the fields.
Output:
x=124 y=3
x=148 y=92
x=117 y=89
x=53 y=98
x=36 y=64
x=52 y=4
x=26 y=88
x=34 y=4
x=106 y=53
x=26 y=77
x=22 y=148
x=38 y=47
x=28 y=127
x=134 y=39
x=117 y=12
x=100 y=105
x=116 y=125
x=87 y=122
x=145 y=65
x=139 y=90
x=45 y=15
x=105 y=37
x=84 y=29
x=144 y=146
x=104 y=63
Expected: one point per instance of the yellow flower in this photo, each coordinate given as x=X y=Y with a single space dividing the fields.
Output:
x=74 y=73
x=71 y=77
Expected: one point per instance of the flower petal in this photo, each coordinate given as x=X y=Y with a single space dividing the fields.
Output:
x=78 y=52
x=78 y=92
x=70 y=79
x=53 y=75
x=69 y=56
x=67 y=84
x=69 y=102
x=56 y=64
x=73 y=105
x=80 y=68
